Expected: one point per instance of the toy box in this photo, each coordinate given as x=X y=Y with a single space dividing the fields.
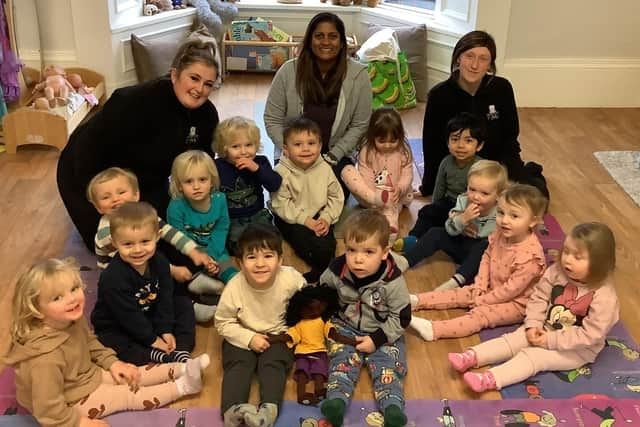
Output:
x=256 y=30
x=256 y=58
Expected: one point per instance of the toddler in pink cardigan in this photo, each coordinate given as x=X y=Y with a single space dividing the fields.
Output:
x=510 y=266
x=385 y=168
x=570 y=313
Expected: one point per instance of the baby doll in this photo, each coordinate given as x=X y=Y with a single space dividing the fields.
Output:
x=75 y=80
x=54 y=86
x=308 y=316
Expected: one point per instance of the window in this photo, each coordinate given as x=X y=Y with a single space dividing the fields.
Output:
x=418 y=4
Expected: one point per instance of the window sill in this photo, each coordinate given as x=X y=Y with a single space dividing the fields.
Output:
x=386 y=11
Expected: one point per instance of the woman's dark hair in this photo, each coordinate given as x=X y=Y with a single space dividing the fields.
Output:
x=310 y=85
x=465 y=120
x=259 y=236
x=469 y=41
x=305 y=296
x=195 y=51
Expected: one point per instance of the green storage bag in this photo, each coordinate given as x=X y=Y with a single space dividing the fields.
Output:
x=391 y=83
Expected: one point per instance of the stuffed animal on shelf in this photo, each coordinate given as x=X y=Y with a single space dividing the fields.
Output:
x=53 y=89
x=150 y=9
x=215 y=14
x=162 y=5
x=308 y=315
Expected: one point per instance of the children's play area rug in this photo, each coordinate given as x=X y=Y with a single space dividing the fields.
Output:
x=421 y=413
x=624 y=167
x=614 y=374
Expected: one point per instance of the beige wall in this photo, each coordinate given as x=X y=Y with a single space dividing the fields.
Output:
x=574 y=28
x=560 y=53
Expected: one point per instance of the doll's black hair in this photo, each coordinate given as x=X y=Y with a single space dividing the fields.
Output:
x=307 y=294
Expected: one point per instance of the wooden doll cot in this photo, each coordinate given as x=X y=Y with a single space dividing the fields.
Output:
x=26 y=125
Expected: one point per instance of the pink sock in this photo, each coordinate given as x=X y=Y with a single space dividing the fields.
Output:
x=462 y=362
x=480 y=382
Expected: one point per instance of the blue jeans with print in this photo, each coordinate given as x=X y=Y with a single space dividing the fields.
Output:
x=387 y=367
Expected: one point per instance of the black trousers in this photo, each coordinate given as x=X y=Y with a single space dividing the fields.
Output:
x=315 y=251
x=465 y=251
x=239 y=364
x=433 y=215
x=184 y=330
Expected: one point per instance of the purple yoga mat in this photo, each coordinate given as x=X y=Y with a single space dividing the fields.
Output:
x=615 y=373
x=421 y=413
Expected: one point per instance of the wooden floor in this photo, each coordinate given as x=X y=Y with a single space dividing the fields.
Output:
x=34 y=223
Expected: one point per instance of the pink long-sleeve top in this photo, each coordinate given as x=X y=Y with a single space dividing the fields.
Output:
x=508 y=271
x=386 y=169
x=575 y=317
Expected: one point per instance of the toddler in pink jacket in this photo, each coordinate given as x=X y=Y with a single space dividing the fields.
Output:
x=511 y=265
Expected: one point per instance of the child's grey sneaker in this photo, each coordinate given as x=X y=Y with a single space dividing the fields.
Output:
x=203 y=284
x=266 y=416
x=204 y=313
x=234 y=416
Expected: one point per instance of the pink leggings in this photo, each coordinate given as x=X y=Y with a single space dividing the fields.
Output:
x=478 y=318
x=522 y=360
x=156 y=389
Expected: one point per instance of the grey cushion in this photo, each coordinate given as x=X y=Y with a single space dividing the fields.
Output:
x=413 y=42
x=153 y=57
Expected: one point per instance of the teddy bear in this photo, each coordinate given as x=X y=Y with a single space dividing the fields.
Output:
x=150 y=9
x=53 y=89
x=216 y=15
x=162 y=5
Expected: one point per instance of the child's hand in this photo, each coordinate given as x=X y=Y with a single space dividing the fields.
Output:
x=161 y=345
x=245 y=163
x=540 y=338
x=170 y=340
x=198 y=257
x=365 y=344
x=342 y=339
x=470 y=213
x=470 y=230
x=180 y=274
x=259 y=343
x=283 y=337
x=125 y=373
x=88 y=422
x=212 y=267
x=321 y=228
x=536 y=336
x=310 y=223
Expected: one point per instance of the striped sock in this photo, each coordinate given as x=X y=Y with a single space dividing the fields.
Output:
x=179 y=356
x=159 y=356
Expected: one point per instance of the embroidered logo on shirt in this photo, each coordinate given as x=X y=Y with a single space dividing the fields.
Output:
x=192 y=138
x=493 y=114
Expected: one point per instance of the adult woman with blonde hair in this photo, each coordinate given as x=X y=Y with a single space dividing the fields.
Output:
x=474 y=87
x=142 y=128
x=322 y=84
